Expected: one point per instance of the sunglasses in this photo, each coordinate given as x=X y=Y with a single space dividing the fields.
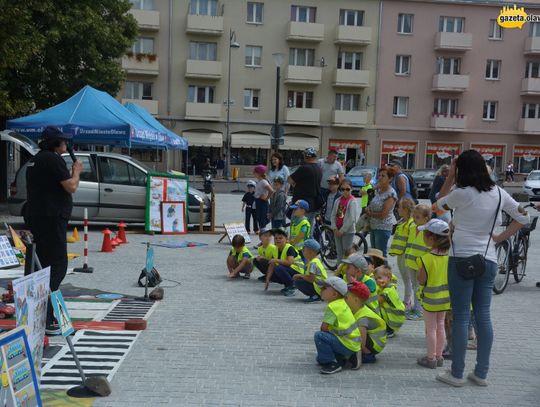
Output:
x=345 y=189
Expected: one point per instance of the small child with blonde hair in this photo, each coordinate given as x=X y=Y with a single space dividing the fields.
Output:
x=391 y=306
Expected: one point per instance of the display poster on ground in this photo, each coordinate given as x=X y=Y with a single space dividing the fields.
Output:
x=237 y=228
x=8 y=257
x=61 y=313
x=162 y=188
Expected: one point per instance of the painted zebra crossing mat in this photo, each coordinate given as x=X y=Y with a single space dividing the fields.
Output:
x=130 y=309
x=100 y=354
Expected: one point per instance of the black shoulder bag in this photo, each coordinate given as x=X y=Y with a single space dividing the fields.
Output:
x=474 y=266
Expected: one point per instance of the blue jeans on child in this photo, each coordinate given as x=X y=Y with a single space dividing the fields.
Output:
x=305 y=287
x=283 y=275
x=463 y=293
x=379 y=239
x=330 y=349
x=261 y=210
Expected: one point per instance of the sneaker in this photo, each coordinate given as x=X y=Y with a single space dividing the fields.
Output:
x=390 y=334
x=424 y=361
x=355 y=361
x=440 y=362
x=289 y=292
x=419 y=315
x=414 y=316
x=312 y=299
x=53 y=330
x=447 y=378
x=368 y=358
x=476 y=380
x=283 y=290
x=331 y=368
x=246 y=276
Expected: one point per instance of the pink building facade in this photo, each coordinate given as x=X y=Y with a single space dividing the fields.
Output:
x=449 y=78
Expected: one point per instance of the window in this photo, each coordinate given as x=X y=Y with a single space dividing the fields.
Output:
x=138 y=90
x=532 y=70
x=495 y=30
x=530 y=111
x=255 y=12
x=446 y=106
x=303 y=14
x=300 y=100
x=143 y=45
x=302 y=56
x=490 y=110
x=114 y=171
x=87 y=174
x=251 y=98
x=448 y=66
x=203 y=51
x=451 y=24
x=248 y=156
x=351 y=17
x=401 y=106
x=534 y=31
x=405 y=22
x=346 y=101
x=142 y=4
x=201 y=94
x=253 y=55
x=349 y=60
x=403 y=65
x=203 y=7
x=493 y=68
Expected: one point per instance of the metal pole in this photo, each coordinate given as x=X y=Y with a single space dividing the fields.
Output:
x=228 y=123
x=276 y=120
x=76 y=359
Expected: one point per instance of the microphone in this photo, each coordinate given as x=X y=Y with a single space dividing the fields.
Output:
x=71 y=154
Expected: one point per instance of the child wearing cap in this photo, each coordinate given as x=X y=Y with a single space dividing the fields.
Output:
x=434 y=295
x=300 y=226
x=357 y=269
x=338 y=340
x=263 y=192
x=314 y=273
x=372 y=326
x=240 y=259
x=392 y=308
x=278 y=205
x=248 y=201
x=266 y=252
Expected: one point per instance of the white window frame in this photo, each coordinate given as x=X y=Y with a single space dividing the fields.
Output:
x=534 y=30
x=251 y=55
x=490 y=64
x=349 y=102
x=489 y=113
x=209 y=49
x=291 y=102
x=136 y=90
x=401 y=23
x=354 y=56
x=296 y=54
x=210 y=7
x=252 y=99
x=400 y=106
x=141 y=44
x=526 y=107
x=254 y=12
x=446 y=106
x=358 y=17
x=142 y=4
x=455 y=66
x=496 y=32
x=529 y=69
x=400 y=63
x=209 y=94
x=445 y=21
x=308 y=11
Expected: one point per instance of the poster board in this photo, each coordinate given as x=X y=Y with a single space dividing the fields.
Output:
x=22 y=387
x=8 y=257
x=162 y=188
x=173 y=218
x=236 y=228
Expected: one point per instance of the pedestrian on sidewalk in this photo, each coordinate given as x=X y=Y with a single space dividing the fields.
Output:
x=248 y=206
x=279 y=169
x=263 y=192
x=278 y=204
x=220 y=166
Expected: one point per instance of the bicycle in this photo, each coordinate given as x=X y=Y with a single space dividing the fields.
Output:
x=512 y=254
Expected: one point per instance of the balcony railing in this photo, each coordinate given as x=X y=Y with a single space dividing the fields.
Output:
x=453 y=41
x=205 y=24
x=346 y=118
x=146 y=19
x=203 y=69
x=303 y=116
x=532 y=46
x=530 y=86
x=141 y=64
x=351 y=78
x=448 y=122
x=307 y=75
x=353 y=35
x=151 y=105
x=309 y=32
x=529 y=126
x=203 y=111
x=450 y=83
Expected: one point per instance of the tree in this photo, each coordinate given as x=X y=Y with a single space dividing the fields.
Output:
x=64 y=45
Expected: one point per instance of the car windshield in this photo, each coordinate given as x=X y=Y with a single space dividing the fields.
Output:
x=424 y=174
x=533 y=176
x=360 y=171
x=140 y=164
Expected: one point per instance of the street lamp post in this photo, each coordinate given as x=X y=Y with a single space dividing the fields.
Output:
x=278 y=60
x=232 y=44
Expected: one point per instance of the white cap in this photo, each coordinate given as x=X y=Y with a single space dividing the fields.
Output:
x=436 y=226
x=251 y=183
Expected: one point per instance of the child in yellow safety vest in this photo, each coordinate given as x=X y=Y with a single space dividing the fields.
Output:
x=300 y=226
x=240 y=259
x=266 y=252
x=338 y=340
x=357 y=270
x=392 y=308
x=434 y=293
x=310 y=282
x=415 y=248
x=399 y=245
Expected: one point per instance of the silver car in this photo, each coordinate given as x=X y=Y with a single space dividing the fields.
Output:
x=112 y=187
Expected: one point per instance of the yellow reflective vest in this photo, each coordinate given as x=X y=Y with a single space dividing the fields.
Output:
x=392 y=308
x=298 y=263
x=296 y=229
x=416 y=247
x=375 y=325
x=434 y=295
x=269 y=252
x=365 y=198
x=239 y=255
x=316 y=268
x=345 y=329
x=373 y=300
x=399 y=241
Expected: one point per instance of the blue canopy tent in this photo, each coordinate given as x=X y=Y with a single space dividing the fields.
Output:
x=172 y=140
x=93 y=117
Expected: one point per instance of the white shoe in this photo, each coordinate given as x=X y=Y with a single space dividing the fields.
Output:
x=447 y=378
x=476 y=380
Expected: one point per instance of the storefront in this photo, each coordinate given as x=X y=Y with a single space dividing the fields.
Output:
x=293 y=148
x=438 y=154
x=526 y=158
x=202 y=145
x=404 y=151
x=350 y=152
x=492 y=153
x=249 y=148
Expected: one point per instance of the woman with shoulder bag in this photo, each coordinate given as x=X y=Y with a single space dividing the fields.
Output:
x=476 y=203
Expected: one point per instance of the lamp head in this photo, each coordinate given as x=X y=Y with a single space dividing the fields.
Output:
x=235 y=44
x=278 y=58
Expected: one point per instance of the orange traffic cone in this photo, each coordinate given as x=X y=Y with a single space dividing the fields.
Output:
x=74 y=236
x=122 y=233
x=115 y=242
x=106 y=247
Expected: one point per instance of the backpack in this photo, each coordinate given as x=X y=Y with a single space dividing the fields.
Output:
x=412 y=187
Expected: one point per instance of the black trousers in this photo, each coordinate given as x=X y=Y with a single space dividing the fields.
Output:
x=251 y=213
x=51 y=248
x=262 y=265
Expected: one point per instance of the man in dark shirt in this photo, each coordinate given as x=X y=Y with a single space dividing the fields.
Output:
x=49 y=186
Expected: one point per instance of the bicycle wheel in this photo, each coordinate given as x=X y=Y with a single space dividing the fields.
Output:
x=520 y=259
x=360 y=243
x=503 y=268
x=328 y=248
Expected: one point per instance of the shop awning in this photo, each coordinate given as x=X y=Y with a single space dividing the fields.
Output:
x=295 y=142
x=250 y=140
x=203 y=139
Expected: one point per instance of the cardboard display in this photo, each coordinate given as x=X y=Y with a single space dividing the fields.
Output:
x=163 y=188
x=173 y=218
x=236 y=228
x=7 y=254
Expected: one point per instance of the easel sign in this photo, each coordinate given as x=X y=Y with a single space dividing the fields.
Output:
x=173 y=218
x=236 y=228
x=7 y=254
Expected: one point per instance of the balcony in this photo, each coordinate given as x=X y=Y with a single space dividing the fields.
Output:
x=151 y=105
x=529 y=126
x=351 y=79
x=309 y=32
x=307 y=75
x=203 y=111
x=346 y=118
x=204 y=25
x=306 y=117
x=532 y=46
x=453 y=41
x=141 y=64
x=148 y=20
x=210 y=70
x=530 y=86
x=451 y=123
x=353 y=35
x=450 y=83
